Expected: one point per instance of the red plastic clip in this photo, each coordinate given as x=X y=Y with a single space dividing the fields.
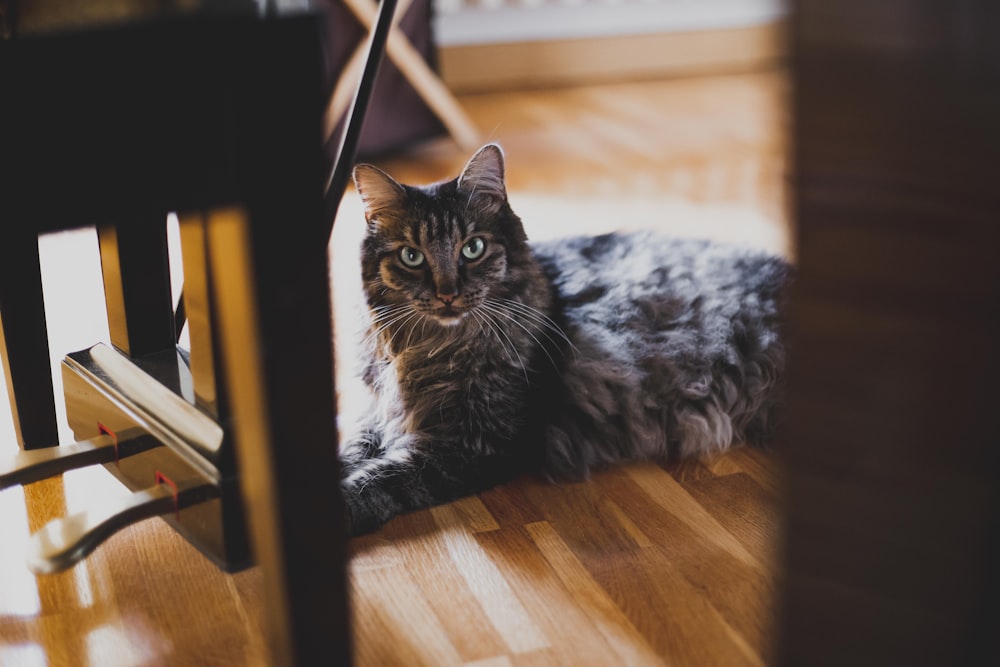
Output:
x=163 y=479
x=114 y=436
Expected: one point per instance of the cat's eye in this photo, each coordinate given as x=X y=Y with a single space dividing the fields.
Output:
x=474 y=249
x=411 y=257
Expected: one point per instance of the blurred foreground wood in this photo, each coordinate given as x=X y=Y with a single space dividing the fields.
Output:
x=894 y=470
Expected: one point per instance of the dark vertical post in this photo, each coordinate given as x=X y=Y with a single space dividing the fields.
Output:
x=271 y=281
x=136 y=269
x=893 y=515
x=24 y=343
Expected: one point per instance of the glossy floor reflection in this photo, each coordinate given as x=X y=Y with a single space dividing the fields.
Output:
x=146 y=597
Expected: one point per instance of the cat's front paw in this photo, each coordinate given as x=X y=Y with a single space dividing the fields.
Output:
x=360 y=516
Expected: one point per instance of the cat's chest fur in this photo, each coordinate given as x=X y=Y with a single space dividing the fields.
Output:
x=471 y=377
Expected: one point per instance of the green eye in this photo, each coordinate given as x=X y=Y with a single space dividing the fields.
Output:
x=411 y=257
x=474 y=249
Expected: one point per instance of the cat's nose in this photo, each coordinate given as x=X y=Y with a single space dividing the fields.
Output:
x=448 y=297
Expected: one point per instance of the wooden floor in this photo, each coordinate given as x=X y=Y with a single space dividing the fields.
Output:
x=641 y=565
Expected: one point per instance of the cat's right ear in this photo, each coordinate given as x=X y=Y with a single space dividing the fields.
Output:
x=482 y=180
x=382 y=196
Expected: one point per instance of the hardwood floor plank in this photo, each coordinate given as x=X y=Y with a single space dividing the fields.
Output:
x=641 y=540
x=687 y=469
x=742 y=507
x=497 y=661
x=182 y=576
x=672 y=498
x=472 y=514
x=575 y=640
x=579 y=514
x=488 y=584
x=424 y=555
x=722 y=465
x=543 y=658
x=690 y=628
x=763 y=467
x=248 y=589
x=729 y=578
x=389 y=604
x=373 y=552
x=509 y=505
x=629 y=645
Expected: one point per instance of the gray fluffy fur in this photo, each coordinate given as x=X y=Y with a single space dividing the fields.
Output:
x=555 y=357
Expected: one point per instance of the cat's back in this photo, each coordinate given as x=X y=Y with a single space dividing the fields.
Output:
x=648 y=281
x=676 y=346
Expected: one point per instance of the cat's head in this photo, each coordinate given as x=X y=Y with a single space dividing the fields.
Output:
x=443 y=249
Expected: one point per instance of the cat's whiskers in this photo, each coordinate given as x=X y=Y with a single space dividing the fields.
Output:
x=385 y=317
x=423 y=322
x=485 y=323
x=511 y=314
x=376 y=332
x=392 y=306
x=497 y=328
x=413 y=314
x=541 y=318
x=387 y=310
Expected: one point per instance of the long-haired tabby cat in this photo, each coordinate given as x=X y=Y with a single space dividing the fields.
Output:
x=488 y=356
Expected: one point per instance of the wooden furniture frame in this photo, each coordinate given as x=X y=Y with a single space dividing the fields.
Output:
x=217 y=118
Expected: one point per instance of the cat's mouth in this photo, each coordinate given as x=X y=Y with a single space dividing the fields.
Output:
x=449 y=315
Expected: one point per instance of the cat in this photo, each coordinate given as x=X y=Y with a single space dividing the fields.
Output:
x=488 y=357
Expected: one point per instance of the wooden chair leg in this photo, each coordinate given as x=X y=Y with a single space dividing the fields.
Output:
x=199 y=305
x=24 y=344
x=269 y=272
x=136 y=270
x=282 y=404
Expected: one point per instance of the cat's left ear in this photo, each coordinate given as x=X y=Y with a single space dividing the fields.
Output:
x=382 y=196
x=482 y=180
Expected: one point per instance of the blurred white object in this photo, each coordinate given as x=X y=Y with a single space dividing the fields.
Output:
x=467 y=22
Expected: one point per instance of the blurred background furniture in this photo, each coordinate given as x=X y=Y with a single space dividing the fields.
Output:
x=411 y=103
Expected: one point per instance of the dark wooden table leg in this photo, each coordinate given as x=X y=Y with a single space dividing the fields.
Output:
x=24 y=343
